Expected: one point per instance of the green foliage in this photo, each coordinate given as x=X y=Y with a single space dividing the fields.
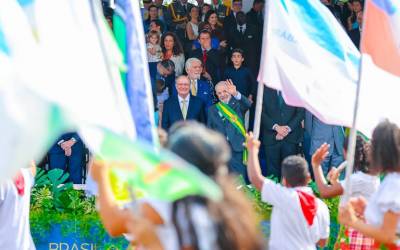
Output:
x=53 y=202
x=41 y=178
x=263 y=209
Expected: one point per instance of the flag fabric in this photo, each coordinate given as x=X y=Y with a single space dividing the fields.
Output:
x=381 y=34
x=157 y=173
x=380 y=76
x=63 y=76
x=28 y=123
x=309 y=57
x=83 y=64
x=138 y=85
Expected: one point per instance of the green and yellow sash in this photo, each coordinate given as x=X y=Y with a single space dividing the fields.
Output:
x=235 y=120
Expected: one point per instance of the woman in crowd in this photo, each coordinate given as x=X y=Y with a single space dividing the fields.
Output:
x=172 y=50
x=217 y=30
x=382 y=211
x=356 y=7
x=153 y=15
x=192 y=27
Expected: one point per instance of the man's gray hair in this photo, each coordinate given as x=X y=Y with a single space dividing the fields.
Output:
x=190 y=61
x=179 y=77
x=220 y=84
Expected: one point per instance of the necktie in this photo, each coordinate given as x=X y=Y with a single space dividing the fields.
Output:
x=280 y=99
x=185 y=9
x=241 y=29
x=204 y=57
x=184 y=109
x=193 y=88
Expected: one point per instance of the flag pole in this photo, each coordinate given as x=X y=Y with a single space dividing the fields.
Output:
x=352 y=139
x=257 y=116
x=351 y=149
x=260 y=89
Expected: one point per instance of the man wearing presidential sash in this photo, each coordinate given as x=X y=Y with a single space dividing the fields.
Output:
x=227 y=117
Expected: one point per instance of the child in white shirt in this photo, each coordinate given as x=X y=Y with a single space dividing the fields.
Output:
x=154 y=52
x=299 y=220
x=382 y=211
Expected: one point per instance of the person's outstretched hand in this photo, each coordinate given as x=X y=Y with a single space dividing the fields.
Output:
x=320 y=154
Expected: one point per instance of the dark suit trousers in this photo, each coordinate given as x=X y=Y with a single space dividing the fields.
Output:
x=275 y=154
x=72 y=164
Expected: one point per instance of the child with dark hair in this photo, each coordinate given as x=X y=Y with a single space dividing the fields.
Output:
x=241 y=76
x=299 y=220
x=382 y=213
x=364 y=182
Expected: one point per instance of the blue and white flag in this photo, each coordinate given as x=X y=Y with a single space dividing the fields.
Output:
x=138 y=84
x=309 y=57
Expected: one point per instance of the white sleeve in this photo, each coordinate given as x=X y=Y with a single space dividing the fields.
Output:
x=276 y=194
x=389 y=200
x=323 y=220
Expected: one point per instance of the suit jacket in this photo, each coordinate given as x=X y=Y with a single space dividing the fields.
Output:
x=274 y=113
x=321 y=133
x=218 y=122
x=172 y=111
x=255 y=19
x=212 y=63
x=205 y=92
x=229 y=22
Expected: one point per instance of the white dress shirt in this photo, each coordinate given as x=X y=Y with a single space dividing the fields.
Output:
x=180 y=99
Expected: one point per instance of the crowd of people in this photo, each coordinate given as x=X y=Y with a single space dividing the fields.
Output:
x=203 y=63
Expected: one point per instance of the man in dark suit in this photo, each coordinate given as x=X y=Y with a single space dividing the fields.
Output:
x=282 y=130
x=199 y=87
x=245 y=37
x=68 y=154
x=256 y=16
x=230 y=21
x=183 y=106
x=208 y=56
x=227 y=94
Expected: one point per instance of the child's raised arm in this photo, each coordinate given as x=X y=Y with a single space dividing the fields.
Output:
x=326 y=191
x=253 y=164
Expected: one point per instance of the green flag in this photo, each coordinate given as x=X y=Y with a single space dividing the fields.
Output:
x=157 y=173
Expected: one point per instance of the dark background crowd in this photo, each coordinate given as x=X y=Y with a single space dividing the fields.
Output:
x=203 y=54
